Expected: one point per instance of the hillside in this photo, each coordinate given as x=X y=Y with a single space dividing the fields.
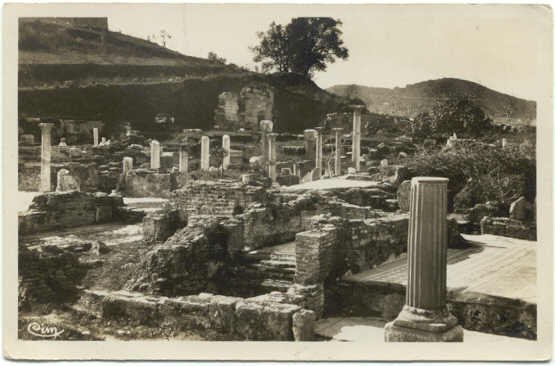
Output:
x=72 y=70
x=419 y=97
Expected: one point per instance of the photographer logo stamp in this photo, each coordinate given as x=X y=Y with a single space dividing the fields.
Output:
x=43 y=330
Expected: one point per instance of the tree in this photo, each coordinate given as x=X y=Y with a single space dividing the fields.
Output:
x=164 y=35
x=213 y=57
x=304 y=46
x=460 y=116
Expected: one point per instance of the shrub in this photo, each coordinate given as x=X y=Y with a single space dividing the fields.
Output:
x=479 y=172
x=460 y=116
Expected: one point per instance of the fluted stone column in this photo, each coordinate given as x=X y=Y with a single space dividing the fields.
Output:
x=338 y=150
x=310 y=137
x=45 y=156
x=266 y=127
x=127 y=164
x=319 y=153
x=155 y=155
x=272 y=172
x=204 y=153
x=425 y=317
x=183 y=160
x=357 y=112
x=95 y=136
x=226 y=145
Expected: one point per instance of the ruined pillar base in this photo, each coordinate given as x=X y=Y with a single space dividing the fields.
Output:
x=420 y=325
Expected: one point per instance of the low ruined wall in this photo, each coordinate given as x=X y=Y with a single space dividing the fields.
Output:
x=146 y=183
x=85 y=174
x=479 y=312
x=256 y=319
x=47 y=276
x=222 y=198
x=505 y=226
x=188 y=262
x=59 y=210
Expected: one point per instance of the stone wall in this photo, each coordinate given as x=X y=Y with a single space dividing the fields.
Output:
x=262 y=318
x=244 y=109
x=256 y=103
x=147 y=183
x=479 y=312
x=221 y=198
x=85 y=174
x=58 y=210
x=190 y=261
x=47 y=276
x=505 y=226
x=315 y=251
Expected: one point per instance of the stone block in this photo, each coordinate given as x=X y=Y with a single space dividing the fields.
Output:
x=303 y=325
x=264 y=321
x=104 y=214
x=395 y=333
x=66 y=182
x=505 y=226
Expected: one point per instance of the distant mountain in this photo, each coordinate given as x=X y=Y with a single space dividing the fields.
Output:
x=416 y=98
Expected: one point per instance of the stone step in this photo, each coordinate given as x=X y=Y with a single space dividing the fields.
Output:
x=279 y=263
x=276 y=285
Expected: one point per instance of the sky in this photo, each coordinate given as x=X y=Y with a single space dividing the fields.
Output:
x=498 y=46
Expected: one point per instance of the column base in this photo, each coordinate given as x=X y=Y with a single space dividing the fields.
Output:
x=420 y=325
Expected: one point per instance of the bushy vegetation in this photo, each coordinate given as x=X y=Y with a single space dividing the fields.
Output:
x=461 y=116
x=479 y=172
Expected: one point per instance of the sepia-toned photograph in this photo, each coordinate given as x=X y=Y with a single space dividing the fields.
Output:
x=191 y=175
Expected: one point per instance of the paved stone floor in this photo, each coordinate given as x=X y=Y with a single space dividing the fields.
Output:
x=370 y=330
x=494 y=265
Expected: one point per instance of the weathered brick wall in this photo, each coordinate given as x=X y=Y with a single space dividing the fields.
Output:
x=222 y=198
x=505 y=226
x=314 y=254
x=58 y=210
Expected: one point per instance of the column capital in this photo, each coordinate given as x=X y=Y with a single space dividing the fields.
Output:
x=266 y=125
x=429 y=180
x=357 y=107
x=273 y=135
x=46 y=125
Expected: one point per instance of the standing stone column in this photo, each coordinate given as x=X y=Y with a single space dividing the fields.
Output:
x=127 y=164
x=425 y=317
x=154 y=155
x=319 y=153
x=272 y=172
x=95 y=136
x=226 y=145
x=204 y=153
x=357 y=112
x=310 y=137
x=183 y=160
x=266 y=127
x=503 y=142
x=45 y=156
x=338 y=150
